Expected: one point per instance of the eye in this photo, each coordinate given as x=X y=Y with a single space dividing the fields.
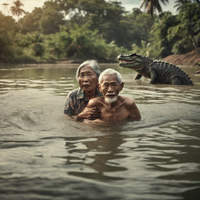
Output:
x=81 y=75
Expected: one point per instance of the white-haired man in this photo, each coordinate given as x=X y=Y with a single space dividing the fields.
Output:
x=113 y=107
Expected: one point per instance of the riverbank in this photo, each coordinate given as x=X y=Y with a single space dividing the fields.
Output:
x=192 y=58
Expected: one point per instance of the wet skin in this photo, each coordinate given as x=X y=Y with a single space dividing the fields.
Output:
x=88 y=82
x=123 y=108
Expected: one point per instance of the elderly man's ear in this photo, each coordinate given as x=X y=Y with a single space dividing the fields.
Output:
x=99 y=87
x=122 y=85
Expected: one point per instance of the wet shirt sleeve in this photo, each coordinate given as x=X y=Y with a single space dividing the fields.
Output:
x=76 y=102
x=70 y=104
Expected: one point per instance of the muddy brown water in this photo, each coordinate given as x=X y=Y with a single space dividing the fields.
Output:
x=46 y=155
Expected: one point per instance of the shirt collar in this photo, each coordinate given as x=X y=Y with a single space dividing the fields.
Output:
x=81 y=95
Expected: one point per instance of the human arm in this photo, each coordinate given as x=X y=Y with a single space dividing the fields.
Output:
x=74 y=106
x=93 y=121
x=91 y=112
x=69 y=107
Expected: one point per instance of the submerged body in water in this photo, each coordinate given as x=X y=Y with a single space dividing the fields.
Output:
x=46 y=155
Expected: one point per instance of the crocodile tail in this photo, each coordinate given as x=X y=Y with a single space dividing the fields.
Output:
x=184 y=76
x=186 y=79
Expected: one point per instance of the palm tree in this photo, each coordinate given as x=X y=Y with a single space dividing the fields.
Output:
x=151 y=5
x=179 y=3
x=16 y=10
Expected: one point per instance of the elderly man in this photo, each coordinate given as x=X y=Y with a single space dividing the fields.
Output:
x=87 y=75
x=113 y=107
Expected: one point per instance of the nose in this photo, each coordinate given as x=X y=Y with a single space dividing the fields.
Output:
x=85 y=79
x=110 y=89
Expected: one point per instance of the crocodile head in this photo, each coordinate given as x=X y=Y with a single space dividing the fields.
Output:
x=133 y=61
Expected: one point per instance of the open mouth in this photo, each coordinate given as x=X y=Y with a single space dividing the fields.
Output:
x=127 y=61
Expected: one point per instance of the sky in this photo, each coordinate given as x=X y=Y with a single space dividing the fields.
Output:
x=128 y=4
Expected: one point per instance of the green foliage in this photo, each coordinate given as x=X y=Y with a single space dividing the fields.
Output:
x=97 y=29
x=37 y=45
x=96 y=15
x=144 y=24
x=185 y=35
x=6 y=50
x=30 y=22
x=31 y=40
x=50 y=20
x=7 y=23
x=83 y=43
x=151 y=5
x=147 y=49
x=160 y=31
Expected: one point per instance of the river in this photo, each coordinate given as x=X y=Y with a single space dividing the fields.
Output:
x=47 y=155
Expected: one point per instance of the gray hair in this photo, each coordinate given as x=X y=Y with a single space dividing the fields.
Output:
x=110 y=71
x=91 y=63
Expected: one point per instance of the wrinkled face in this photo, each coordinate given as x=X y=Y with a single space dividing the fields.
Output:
x=110 y=88
x=87 y=78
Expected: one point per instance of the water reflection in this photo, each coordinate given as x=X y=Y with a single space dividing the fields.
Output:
x=161 y=160
x=59 y=80
x=100 y=154
x=42 y=149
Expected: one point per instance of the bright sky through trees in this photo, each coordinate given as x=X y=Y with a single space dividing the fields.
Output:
x=128 y=4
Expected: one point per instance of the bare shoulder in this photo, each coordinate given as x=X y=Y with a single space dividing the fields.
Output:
x=94 y=102
x=131 y=108
x=128 y=102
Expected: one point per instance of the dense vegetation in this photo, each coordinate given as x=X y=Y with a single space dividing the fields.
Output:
x=96 y=29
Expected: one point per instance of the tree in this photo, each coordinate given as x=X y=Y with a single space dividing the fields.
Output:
x=144 y=24
x=186 y=34
x=30 y=22
x=151 y=5
x=51 y=19
x=38 y=46
x=7 y=25
x=180 y=3
x=98 y=15
x=160 y=30
x=16 y=9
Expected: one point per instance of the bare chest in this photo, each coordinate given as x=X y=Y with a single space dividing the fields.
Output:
x=114 y=114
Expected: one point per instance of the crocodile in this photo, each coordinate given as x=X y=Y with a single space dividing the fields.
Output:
x=159 y=72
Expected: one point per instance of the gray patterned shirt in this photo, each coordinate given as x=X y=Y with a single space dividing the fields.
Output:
x=76 y=101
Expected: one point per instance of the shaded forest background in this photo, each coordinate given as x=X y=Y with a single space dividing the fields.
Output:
x=96 y=29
